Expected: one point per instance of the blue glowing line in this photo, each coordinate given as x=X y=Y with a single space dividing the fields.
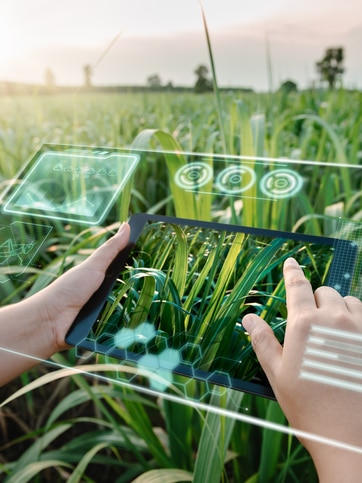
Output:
x=195 y=404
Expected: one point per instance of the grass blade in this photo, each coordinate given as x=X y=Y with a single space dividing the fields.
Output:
x=214 y=79
x=164 y=476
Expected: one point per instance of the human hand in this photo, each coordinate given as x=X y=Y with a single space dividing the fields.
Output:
x=35 y=328
x=61 y=301
x=316 y=407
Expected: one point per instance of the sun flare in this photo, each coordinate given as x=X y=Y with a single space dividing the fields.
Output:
x=11 y=43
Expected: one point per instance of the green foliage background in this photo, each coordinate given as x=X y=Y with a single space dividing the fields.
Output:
x=63 y=427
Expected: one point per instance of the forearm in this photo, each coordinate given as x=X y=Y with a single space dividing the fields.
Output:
x=35 y=328
x=338 y=466
x=26 y=337
x=320 y=408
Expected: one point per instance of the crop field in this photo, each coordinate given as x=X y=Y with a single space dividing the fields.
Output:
x=58 y=426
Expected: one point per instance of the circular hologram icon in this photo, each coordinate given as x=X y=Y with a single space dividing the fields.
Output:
x=193 y=175
x=235 y=179
x=281 y=183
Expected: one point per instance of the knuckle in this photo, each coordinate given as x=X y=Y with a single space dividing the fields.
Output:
x=341 y=318
x=298 y=280
x=259 y=338
x=352 y=299
x=325 y=290
x=303 y=319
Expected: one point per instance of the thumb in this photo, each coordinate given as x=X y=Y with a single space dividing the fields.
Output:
x=265 y=344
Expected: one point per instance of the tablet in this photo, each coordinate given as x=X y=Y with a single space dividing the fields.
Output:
x=173 y=300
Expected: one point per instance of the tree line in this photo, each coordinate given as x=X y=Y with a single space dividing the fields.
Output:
x=330 y=70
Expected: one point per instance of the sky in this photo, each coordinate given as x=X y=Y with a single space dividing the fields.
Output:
x=166 y=37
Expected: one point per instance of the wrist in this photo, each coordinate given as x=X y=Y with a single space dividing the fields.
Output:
x=49 y=319
x=26 y=338
x=38 y=323
x=334 y=465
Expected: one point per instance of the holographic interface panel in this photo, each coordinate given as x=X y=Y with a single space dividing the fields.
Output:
x=76 y=185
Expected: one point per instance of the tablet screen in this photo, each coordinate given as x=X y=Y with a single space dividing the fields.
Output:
x=179 y=298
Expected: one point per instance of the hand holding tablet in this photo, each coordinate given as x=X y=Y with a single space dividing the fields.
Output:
x=324 y=398
x=175 y=297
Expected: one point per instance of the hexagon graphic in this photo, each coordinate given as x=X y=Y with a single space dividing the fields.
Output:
x=141 y=334
x=169 y=359
x=189 y=346
x=159 y=379
x=217 y=389
x=85 y=354
x=126 y=372
x=124 y=338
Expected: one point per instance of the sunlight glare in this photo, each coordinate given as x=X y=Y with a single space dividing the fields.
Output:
x=11 y=43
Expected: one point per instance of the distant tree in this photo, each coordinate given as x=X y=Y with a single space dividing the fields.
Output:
x=330 y=68
x=288 y=86
x=88 y=72
x=49 y=79
x=154 y=81
x=203 y=83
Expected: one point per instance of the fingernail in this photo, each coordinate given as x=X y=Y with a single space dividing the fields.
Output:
x=122 y=228
x=248 y=322
x=291 y=261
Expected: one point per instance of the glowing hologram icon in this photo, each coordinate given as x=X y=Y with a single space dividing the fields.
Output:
x=9 y=249
x=281 y=183
x=341 y=334
x=193 y=175
x=162 y=364
x=19 y=243
x=158 y=362
x=141 y=334
x=37 y=200
x=74 y=187
x=333 y=357
x=235 y=179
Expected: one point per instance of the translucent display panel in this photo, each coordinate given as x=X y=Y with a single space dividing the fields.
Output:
x=72 y=185
x=170 y=323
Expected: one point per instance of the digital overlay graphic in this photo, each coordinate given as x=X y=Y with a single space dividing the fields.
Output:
x=72 y=187
x=238 y=179
x=19 y=244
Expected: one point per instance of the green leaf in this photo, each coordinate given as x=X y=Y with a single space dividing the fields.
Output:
x=78 y=472
x=179 y=418
x=25 y=474
x=215 y=437
x=164 y=476
x=187 y=204
x=34 y=451
x=135 y=415
x=271 y=445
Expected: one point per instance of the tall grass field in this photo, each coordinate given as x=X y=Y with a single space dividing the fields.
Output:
x=57 y=426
